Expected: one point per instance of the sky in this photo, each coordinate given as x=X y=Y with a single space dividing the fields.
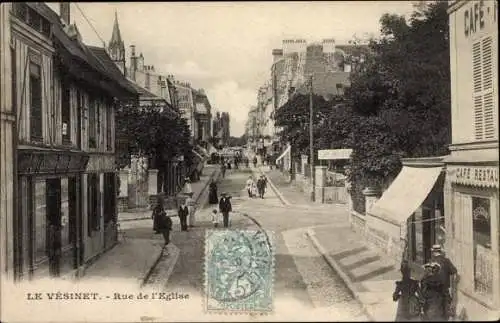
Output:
x=225 y=47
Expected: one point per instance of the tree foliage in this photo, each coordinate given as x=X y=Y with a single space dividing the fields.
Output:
x=293 y=118
x=401 y=94
x=161 y=136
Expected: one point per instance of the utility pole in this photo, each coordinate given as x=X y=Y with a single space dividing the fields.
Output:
x=311 y=139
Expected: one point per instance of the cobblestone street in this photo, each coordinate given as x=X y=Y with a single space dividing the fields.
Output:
x=302 y=276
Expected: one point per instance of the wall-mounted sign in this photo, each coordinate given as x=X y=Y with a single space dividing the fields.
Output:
x=332 y=154
x=473 y=175
x=477 y=15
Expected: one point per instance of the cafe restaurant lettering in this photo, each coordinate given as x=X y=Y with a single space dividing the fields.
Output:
x=487 y=176
x=476 y=16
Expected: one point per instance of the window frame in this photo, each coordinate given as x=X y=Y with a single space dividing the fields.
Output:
x=66 y=111
x=36 y=119
x=92 y=123
x=483 y=90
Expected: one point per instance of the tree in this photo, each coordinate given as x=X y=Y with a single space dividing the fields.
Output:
x=401 y=94
x=159 y=136
x=293 y=117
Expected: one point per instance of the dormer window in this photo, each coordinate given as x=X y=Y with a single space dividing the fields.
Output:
x=32 y=18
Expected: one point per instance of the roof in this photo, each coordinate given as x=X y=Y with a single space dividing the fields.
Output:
x=79 y=50
x=111 y=68
x=325 y=84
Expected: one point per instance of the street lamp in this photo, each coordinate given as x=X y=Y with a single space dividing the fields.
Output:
x=311 y=137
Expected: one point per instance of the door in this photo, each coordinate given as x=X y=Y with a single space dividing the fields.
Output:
x=53 y=204
x=427 y=226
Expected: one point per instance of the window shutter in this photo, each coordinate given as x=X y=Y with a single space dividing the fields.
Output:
x=482 y=71
x=488 y=103
x=477 y=97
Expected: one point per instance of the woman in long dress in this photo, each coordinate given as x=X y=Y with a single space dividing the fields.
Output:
x=212 y=195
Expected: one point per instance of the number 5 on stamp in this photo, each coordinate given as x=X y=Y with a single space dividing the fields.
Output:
x=239 y=271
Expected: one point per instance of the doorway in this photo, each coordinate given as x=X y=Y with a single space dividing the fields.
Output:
x=53 y=204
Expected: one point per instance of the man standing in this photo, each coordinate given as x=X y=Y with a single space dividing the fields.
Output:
x=225 y=207
x=261 y=186
x=448 y=275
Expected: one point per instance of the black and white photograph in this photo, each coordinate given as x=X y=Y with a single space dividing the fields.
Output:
x=249 y=161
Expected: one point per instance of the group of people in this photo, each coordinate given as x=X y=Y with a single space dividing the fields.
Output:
x=225 y=206
x=256 y=188
x=429 y=298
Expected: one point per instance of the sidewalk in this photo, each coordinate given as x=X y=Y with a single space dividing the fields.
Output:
x=198 y=188
x=369 y=274
x=130 y=260
x=289 y=193
x=134 y=259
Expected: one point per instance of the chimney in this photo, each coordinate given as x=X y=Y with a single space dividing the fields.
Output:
x=64 y=13
x=133 y=62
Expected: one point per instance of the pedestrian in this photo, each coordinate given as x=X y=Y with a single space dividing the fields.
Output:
x=161 y=222
x=263 y=186
x=225 y=207
x=229 y=165
x=246 y=162
x=191 y=203
x=255 y=161
x=254 y=189
x=183 y=213
x=407 y=295
x=249 y=186
x=212 y=195
x=215 y=218
x=223 y=169
x=260 y=187
x=448 y=275
x=433 y=294
x=188 y=190
x=54 y=252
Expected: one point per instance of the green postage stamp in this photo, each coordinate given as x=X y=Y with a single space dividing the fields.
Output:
x=239 y=271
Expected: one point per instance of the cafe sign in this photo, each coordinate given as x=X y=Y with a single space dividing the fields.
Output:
x=473 y=175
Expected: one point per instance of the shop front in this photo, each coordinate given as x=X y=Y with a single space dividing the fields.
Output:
x=49 y=223
x=473 y=237
x=408 y=219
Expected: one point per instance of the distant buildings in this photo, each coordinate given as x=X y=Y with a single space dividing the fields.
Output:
x=221 y=129
x=329 y=65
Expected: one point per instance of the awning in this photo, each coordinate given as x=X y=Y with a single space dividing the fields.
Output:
x=406 y=193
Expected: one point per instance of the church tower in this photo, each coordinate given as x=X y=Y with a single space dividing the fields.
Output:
x=116 y=46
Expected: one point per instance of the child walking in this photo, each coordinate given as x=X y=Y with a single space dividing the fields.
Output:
x=215 y=218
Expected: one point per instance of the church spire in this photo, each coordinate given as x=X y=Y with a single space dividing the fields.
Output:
x=116 y=46
x=116 y=37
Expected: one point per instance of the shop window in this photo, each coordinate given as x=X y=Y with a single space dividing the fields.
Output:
x=66 y=111
x=35 y=101
x=485 y=126
x=94 y=212
x=40 y=220
x=483 y=260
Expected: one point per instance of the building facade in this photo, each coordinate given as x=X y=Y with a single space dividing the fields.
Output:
x=65 y=167
x=202 y=118
x=8 y=142
x=472 y=184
